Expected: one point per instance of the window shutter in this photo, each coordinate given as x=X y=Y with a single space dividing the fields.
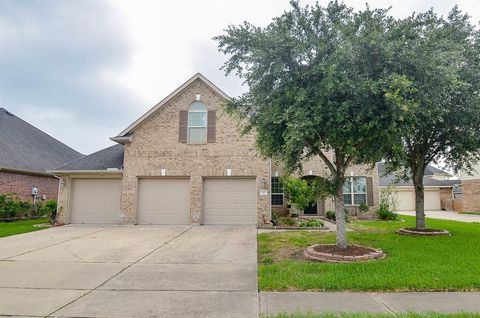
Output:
x=369 y=191
x=211 y=126
x=183 y=127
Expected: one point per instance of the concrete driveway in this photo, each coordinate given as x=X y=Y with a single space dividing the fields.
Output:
x=446 y=215
x=130 y=271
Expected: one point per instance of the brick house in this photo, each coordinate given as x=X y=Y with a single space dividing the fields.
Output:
x=26 y=153
x=182 y=162
x=471 y=189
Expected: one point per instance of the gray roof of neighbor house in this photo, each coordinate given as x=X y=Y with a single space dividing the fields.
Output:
x=111 y=157
x=428 y=181
x=26 y=148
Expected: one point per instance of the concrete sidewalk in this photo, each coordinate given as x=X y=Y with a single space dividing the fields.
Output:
x=336 y=302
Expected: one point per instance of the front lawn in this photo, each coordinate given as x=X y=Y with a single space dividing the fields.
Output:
x=413 y=263
x=19 y=227
x=359 y=315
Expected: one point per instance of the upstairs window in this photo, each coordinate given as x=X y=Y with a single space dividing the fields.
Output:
x=197 y=123
x=355 y=190
x=277 y=191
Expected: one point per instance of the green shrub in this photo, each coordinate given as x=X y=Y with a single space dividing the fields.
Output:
x=310 y=223
x=330 y=215
x=50 y=210
x=384 y=211
x=285 y=220
x=300 y=194
x=9 y=208
x=363 y=207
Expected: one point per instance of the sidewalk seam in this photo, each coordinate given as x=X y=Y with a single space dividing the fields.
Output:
x=379 y=300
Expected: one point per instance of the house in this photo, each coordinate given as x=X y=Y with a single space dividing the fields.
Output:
x=183 y=162
x=439 y=189
x=26 y=153
x=471 y=189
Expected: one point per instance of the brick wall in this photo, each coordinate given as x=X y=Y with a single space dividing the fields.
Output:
x=471 y=195
x=155 y=145
x=21 y=185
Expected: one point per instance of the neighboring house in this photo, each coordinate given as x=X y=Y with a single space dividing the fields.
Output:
x=26 y=153
x=471 y=189
x=439 y=189
x=183 y=162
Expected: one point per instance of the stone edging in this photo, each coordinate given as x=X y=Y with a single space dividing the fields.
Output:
x=311 y=254
x=405 y=231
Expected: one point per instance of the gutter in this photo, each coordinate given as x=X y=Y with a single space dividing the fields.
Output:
x=121 y=139
x=60 y=172
x=26 y=171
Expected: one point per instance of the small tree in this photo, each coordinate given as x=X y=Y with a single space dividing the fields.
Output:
x=317 y=82
x=439 y=60
x=299 y=193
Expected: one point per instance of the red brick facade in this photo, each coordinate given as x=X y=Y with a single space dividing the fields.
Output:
x=471 y=195
x=21 y=185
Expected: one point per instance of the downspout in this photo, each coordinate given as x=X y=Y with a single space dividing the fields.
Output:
x=60 y=180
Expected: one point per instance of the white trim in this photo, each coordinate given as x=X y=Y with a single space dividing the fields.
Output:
x=168 y=98
x=86 y=171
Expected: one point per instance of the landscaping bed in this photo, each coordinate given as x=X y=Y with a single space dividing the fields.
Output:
x=352 y=253
x=414 y=263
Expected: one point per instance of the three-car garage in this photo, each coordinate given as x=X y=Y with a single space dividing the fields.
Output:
x=163 y=200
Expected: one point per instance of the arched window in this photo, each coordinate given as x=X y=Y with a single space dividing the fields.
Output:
x=197 y=123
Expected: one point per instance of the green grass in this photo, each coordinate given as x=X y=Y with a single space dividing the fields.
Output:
x=367 y=315
x=19 y=227
x=472 y=213
x=449 y=263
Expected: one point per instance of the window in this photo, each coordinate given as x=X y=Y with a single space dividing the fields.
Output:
x=197 y=123
x=277 y=191
x=355 y=191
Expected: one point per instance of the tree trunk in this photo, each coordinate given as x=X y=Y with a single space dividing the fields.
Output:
x=419 y=199
x=340 y=214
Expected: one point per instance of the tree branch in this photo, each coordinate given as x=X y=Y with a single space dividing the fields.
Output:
x=327 y=161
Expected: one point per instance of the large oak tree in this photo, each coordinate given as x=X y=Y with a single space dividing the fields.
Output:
x=439 y=59
x=318 y=80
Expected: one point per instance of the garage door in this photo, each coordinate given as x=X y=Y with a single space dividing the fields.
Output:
x=96 y=201
x=405 y=200
x=432 y=200
x=230 y=201
x=163 y=201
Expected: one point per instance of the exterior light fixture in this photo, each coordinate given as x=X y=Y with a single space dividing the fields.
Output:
x=163 y=172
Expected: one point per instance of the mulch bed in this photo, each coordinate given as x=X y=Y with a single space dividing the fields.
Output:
x=425 y=232
x=353 y=253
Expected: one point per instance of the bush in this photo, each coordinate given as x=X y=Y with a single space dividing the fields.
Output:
x=50 y=210
x=363 y=207
x=300 y=194
x=310 y=223
x=386 y=215
x=330 y=215
x=285 y=220
x=9 y=208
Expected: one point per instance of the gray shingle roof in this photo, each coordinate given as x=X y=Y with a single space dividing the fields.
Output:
x=428 y=181
x=111 y=157
x=24 y=147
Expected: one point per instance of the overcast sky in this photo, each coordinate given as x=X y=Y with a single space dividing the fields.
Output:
x=83 y=70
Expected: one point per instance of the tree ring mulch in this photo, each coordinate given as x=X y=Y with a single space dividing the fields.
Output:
x=353 y=253
x=425 y=232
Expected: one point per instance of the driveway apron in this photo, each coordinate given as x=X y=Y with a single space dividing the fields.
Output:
x=130 y=271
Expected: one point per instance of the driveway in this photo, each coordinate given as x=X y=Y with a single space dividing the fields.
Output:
x=446 y=215
x=126 y=271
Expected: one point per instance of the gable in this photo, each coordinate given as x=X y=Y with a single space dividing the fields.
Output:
x=124 y=135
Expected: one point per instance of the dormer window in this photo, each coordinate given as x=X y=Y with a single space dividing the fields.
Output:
x=197 y=123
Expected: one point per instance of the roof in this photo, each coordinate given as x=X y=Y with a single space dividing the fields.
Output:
x=111 y=157
x=26 y=148
x=428 y=181
x=121 y=137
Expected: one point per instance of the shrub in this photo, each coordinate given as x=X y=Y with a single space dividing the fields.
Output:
x=285 y=220
x=330 y=215
x=310 y=223
x=50 y=210
x=300 y=194
x=386 y=215
x=9 y=208
x=363 y=207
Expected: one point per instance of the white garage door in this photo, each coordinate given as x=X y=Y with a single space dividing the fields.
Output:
x=95 y=201
x=405 y=200
x=230 y=201
x=163 y=201
x=432 y=200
